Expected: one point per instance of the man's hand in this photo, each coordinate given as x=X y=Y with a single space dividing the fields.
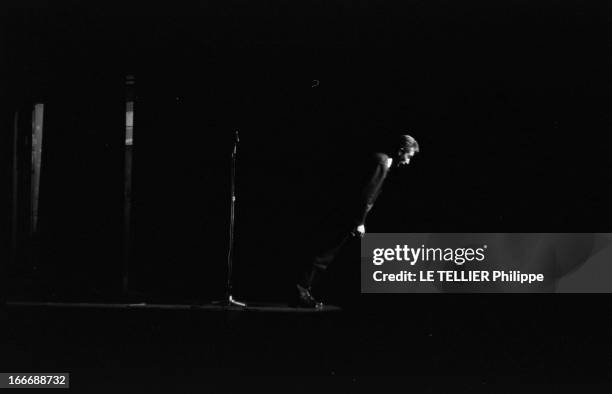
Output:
x=360 y=231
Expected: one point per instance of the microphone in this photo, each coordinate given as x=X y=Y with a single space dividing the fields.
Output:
x=236 y=137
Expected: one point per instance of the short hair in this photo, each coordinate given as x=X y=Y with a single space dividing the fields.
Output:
x=407 y=142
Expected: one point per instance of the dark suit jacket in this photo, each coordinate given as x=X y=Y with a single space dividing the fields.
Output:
x=348 y=187
x=375 y=171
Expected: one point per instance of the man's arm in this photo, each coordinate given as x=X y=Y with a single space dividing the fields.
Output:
x=371 y=190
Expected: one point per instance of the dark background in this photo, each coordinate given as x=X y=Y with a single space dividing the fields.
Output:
x=508 y=101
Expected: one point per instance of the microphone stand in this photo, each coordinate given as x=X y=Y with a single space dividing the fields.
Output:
x=229 y=300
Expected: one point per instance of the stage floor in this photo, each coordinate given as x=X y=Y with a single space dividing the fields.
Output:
x=389 y=344
x=212 y=307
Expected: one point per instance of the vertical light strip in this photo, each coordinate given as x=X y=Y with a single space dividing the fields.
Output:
x=37 y=139
x=127 y=202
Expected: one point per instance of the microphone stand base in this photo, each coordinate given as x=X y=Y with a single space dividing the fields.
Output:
x=230 y=301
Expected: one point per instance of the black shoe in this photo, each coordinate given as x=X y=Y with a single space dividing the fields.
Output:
x=303 y=299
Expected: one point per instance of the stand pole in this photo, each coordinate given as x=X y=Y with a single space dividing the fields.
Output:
x=229 y=300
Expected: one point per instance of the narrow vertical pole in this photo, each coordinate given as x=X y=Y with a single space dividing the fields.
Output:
x=127 y=183
x=14 y=187
x=230 y=253
x=229 y=299
x=127 y=218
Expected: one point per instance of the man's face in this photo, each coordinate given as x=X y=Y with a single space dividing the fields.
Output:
x=405 y=155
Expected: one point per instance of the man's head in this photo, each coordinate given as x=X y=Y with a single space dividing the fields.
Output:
x=407 y=147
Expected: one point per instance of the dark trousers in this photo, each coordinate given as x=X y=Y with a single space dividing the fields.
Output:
x=326 y=246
